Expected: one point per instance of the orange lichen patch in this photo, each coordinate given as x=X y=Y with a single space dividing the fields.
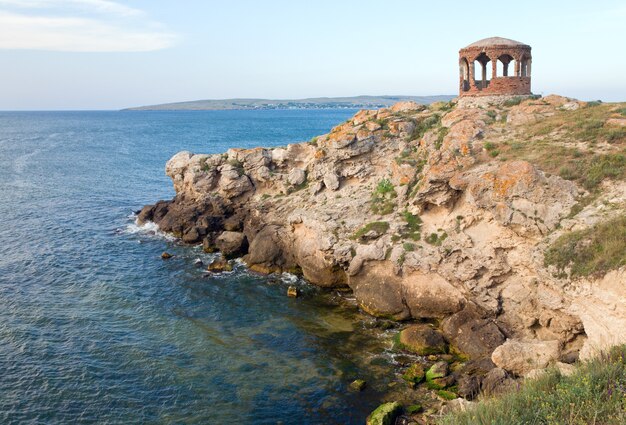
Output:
x=319 y=154
x=383 y=113
x=362 y=116
x=363 y=134
x=511 y=175
x=402 y=174
x=341 y=136
x=464 y=148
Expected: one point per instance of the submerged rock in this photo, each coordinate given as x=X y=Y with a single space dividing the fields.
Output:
x=219 y=266
x=166 y=256
x=357 y=385
x=293 y=292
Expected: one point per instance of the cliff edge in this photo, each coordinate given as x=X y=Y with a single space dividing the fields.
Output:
x=473 y=215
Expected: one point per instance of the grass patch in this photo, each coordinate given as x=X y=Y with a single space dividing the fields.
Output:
x=423 y=125
x=584 y=124
x=588 y=169
x=621 y=111
x=443 y=132
x=237 y=165
x=379 y=227
x=436 y=239
x=594 y=394
x=513 y=101
x=590 y=252
x=413 y=226
x=383 y=198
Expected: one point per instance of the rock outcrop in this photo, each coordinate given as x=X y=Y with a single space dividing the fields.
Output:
x=408 y=207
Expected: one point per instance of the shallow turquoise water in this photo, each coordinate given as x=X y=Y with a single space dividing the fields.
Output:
x=96 y=328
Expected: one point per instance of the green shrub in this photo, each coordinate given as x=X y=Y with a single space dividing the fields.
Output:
x=409 y=247
x=413 y=226
x=383 y=198
x=379 y=227
x=621 y=111
x=592 y=251
x=594 y=394
x=436 y=239
x=513 y=101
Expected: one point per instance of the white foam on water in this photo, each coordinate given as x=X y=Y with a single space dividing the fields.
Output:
x=149 y=228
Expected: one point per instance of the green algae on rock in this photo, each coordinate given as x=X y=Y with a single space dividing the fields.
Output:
x=385 y=414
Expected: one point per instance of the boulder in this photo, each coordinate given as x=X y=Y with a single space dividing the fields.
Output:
x=438 y=370
x=233 y=223
x=496 y=381
x=469 y=386
x=232 y=244
x=166 y=256
x=414 y=374
x=292 y=292
x=296 y=177
x=520 y=357
x=331 y=181
x=264 y=248
x=192 y=235
x=219 y=266
x=471 y=334
x=385 y=414
x=422 y=339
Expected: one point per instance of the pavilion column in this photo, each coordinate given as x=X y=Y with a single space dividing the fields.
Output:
x=494 y=68
x=484 y=65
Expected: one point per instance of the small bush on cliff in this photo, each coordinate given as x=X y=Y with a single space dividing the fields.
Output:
x=621 y=111
x=592 y=251
x=413 y=226
x=594 y=394
x=382 y=201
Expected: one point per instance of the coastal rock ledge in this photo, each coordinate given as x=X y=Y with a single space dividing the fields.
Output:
x=425 y=212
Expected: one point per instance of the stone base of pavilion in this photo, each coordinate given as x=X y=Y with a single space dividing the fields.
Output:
x=489 y=100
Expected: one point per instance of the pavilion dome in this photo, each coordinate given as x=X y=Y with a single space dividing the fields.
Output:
x=497 y=41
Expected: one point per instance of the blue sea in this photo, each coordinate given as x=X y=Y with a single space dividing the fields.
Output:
x=96 y=328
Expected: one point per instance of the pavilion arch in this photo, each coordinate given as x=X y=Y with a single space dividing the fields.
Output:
x=465 y=74
x=482 y=70
x=506 y=66
x=524 y=66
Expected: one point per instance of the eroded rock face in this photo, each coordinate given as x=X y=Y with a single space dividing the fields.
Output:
x=455 y=236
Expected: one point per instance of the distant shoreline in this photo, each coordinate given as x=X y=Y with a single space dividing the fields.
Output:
x=357 y=102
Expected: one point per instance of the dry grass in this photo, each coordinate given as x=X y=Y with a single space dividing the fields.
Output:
x=594 y=394
x=590 y=252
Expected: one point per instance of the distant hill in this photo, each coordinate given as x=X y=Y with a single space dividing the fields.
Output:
x=357 y=102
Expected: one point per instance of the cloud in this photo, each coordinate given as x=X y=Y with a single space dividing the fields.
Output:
x=78 y=26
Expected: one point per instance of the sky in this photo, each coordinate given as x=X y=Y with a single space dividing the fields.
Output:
x=111 y=54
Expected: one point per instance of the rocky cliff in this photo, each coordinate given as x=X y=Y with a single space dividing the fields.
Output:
x=442 y=213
